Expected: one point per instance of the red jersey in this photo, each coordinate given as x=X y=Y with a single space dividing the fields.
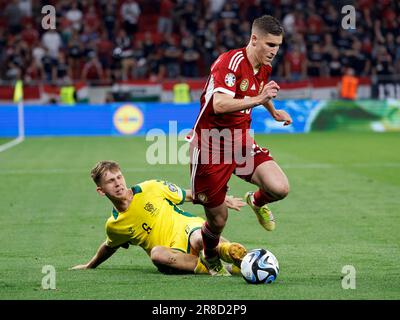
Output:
x=213 y=162
x=233 y=74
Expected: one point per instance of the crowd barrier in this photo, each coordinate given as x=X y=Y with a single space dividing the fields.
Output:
x=140 y=118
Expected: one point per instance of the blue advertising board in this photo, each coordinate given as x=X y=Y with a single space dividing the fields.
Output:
x=136 y=118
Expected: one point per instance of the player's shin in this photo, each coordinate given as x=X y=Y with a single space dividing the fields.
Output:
x=210 y=241
x=261 y=198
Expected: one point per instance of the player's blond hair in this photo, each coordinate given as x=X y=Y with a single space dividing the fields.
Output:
x=268 y=24
x=101 y=167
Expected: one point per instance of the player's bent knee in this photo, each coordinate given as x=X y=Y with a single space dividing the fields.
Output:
x=283 y=191
x=159 y=255
x=162 y=258
x=278 y=192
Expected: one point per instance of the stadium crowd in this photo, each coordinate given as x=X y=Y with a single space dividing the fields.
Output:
x=101 y=41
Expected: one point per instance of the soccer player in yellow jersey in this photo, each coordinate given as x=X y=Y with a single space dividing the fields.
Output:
x=148 y=215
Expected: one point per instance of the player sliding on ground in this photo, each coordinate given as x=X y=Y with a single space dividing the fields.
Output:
x=147 y=215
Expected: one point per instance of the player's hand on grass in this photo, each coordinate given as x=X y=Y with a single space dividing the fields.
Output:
x=282 y=116
x=80 y=267
x=234 y=203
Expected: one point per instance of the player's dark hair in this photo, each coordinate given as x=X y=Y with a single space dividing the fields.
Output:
x=101 y=167
x=268 y=24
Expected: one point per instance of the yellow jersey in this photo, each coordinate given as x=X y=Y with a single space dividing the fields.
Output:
x=153 y=219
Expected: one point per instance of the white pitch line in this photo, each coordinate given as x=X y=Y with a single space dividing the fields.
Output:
x=306 y=166
x=11 y=144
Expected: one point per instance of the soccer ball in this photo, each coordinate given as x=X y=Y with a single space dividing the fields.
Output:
x=259 y=266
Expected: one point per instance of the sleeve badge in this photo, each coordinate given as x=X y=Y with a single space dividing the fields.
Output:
x=230 y=79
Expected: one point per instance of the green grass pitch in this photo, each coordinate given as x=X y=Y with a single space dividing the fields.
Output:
x=343 y=209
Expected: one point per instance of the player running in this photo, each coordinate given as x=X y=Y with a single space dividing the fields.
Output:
x=147 y=215
x=237 y=83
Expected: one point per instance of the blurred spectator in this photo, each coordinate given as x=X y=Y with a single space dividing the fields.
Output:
x=349 y=85
x=244 y=33
x=89 y=34
x=199 y=30
x=397 y=56
x=288 y=23
x=312 y=36
x=3 y=45
x=172 y=55
x=130 y=12
x=61 y=70
x=92 y=19
x=315 y=59
x=148 y=44
x=165 y=17
x=391 y=44
x=215 y=7
x=13 y=71
x=295 y=64
x=357 y=59
x=157 y=70
x=30 y=35
x=190 y=57
x=343 y=40
x=74 y=55
x=48 y=63
x=300 y=22
x=104 y=48
x=38 y=52
x=139 y=68
x=13 y=14
x=383 y=62
x=315 y=23
x=189 y=16
x=25 y=6
x=34 y=72
x=181 y=91
x=227 y=36
x=74 y=15
x=334 y=63
x=109 y=20
x=92 y=69
x=51 y=40
x=229 y=13
x=123 y=53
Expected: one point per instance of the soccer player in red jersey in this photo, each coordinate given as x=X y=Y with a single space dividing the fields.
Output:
x=221 y=144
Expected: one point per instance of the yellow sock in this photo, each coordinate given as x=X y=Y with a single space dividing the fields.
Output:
x=200 y=268
x=223 y=250
x=235 y=270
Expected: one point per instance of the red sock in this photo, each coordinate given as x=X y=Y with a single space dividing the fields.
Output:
x=261 y=198
x=210 y=241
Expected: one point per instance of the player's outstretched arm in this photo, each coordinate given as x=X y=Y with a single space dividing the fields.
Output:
x=278 y=115
x=102 y=254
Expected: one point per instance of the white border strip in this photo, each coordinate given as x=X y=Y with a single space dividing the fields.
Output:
x=21 y=130
x=11 y=144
